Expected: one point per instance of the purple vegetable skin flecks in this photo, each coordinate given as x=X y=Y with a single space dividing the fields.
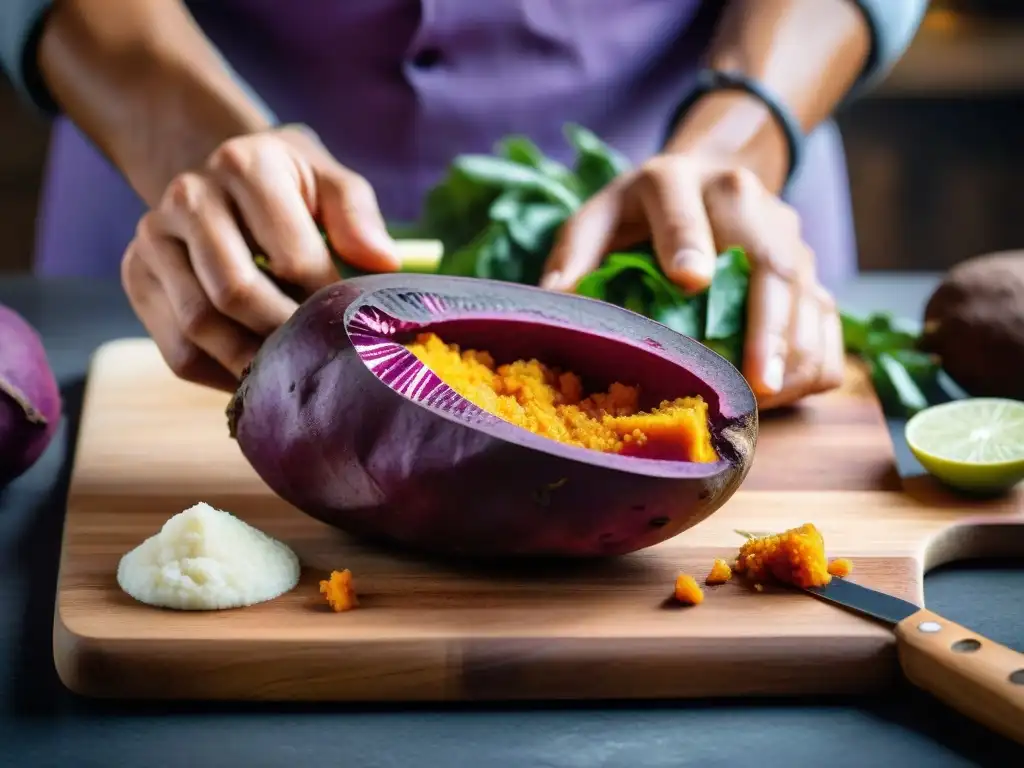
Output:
x=343 y=422
x=30 y=404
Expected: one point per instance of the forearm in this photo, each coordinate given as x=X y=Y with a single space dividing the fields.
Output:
x=143 y=82
x=808 y=53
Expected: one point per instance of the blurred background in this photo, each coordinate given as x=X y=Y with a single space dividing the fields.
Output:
x=935 y=154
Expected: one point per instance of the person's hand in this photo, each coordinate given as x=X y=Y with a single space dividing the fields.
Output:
x=189 y=272
x=691 y=208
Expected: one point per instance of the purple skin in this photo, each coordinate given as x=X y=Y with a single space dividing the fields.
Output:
x=348 y=426
x=30 y=404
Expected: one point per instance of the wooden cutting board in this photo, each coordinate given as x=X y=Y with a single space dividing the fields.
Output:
x=150 y=446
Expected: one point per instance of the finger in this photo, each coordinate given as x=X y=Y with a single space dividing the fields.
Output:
x=582 y=242
x=194 y=315
x=346 y=205
x=734 y=208
x=151 y=305
x=196 y=212
x=673 y=201
x=766 y=349
x=806 y=347
x=833 y=367
x=353 y=221
x=268 y=186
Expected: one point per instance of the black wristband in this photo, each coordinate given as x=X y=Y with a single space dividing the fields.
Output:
x=710 y=80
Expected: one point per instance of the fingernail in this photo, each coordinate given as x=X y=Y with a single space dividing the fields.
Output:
x=694 y=262
x=774 y=373
x=551 y=279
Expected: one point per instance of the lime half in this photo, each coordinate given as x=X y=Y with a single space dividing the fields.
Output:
x=976 y=444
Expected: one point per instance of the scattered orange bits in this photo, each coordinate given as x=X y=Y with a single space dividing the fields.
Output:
x=720 y=572
x=552 y=403
x=338 y=590
x=687 y=590
x=840 y=567
x=796 y=557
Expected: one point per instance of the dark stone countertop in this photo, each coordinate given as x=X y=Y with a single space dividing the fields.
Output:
x=41 y=724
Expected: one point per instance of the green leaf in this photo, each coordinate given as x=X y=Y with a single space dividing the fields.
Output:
x=891 y=377
x=726 y=319
x=597 y=163
x=456 y=211
x=855 y=332
x=531 y=226
x=507 y=175
x=520 y=149
x=506 y=206
x=467 y=260
x=624 y=278
x=495 y=255
x=685 y=317
x=921 y=366
x=727 y=296
x=876 y=333
x=535 y=226
x=636 y=299
x=617 y=270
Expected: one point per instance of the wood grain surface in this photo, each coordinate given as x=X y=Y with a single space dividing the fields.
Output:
x=150 y=446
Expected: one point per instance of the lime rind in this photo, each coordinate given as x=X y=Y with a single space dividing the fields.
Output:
x=975 y=444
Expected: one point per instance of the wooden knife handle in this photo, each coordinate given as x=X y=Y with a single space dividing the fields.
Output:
x=981 y=679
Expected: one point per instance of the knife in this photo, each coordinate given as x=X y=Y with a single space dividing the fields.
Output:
x=975 y=676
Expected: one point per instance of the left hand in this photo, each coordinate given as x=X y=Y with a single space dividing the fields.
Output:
x=692 y=207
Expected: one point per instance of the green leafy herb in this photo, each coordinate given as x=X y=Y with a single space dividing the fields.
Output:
x=905 y=378
x=456 y=210
x=497 y=217
x=726 y=320
x=716 y=316
x=597 y=164
x=520 y=149
x=505 y=174
x=634 y=281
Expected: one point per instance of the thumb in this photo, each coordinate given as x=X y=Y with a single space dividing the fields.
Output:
x=353 y=222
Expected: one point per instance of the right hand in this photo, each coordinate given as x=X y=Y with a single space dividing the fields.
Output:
x=189 y=272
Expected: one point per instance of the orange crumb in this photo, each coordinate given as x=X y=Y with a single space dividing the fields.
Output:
x=840 y=567
x=720 y=572
x=796 y=557
x=339 y=591
x=687 y=590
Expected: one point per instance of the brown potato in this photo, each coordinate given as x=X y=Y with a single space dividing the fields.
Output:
x=974 y=321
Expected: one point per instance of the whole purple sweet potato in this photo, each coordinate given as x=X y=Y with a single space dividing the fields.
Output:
x=30 y=403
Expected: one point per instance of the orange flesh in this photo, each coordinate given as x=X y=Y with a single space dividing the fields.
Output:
x=840 y=567
x=687 y=590
x=338 y=590
x=796 y=557
x=720 y=572
x=551 y=403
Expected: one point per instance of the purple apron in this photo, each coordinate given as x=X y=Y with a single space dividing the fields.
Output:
x=397 y=88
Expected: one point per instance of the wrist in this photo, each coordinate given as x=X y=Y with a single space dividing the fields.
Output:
x=183 y=110
x=736 y=128
x=143 y=83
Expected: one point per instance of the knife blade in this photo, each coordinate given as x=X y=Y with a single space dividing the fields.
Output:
x=970 y=673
